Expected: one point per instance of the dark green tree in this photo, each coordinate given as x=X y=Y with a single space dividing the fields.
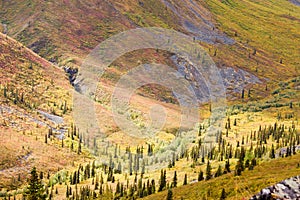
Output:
x=170 y=194
x=238 y=168
x=243 y=94
x=185 y=180
x=223 y=194
x=175 y=180
x=227 y=167
x=5 y=92
x=219 y=171
x=272 y=153
x=35 y=189
x=162 y=183
x=200 y=176
x=208 y=171
x=46 y=138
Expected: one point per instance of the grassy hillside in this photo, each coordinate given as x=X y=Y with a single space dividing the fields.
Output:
x=240 y=187
x=29 y=80
x=32 y=91
x=259 y=37
x=265 y=35
x=268 y=31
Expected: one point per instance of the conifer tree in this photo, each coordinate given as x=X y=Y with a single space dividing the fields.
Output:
x=200 y=176
x=272 y=153
x=170 y=194
x=174 y=179
x=208 y=171
x=35 y=190
x=223 y=194
x=238 y=168
x=234 y=122
x=219 y=171
x=46 y=138
x=243 y=94
x=227 y=167
x=162 y=183
x=185 y=180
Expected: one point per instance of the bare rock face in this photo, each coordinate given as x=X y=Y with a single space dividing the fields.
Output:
x=234 y=79
x=196 y=20
x=296 y=2
x=287 y=189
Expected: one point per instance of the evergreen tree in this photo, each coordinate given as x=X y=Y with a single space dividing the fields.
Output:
x=223 y=194
x=162 y=183
x=5 y=92
x=35 y=190
x=238 y=168
x=41 y=175
x=243 y=94
x=170 y=194
x=175 y=179
x=46 y=138
x=185 y=180
x=200 y=176
x=234 y=122
x=228 y=123
x=67 y=192
x=272 y=153
x=208 y=171
x=227 y=167
x=219 y=171
x=247 y=163
x=153 y=186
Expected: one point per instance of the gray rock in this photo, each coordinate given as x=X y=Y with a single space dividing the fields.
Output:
x=287 y=189
x=234 y=79
x=296 y=2
x=195 y=22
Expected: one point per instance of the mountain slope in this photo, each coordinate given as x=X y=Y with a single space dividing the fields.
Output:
x=238 y=187
x=35 y=98
x=258 y=37
x=253 y=42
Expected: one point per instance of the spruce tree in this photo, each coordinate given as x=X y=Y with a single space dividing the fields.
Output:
x=243 y=94
x=223 y=194
x=46 y=138
x=227 y=167
x=170 y=194
x=162 y=183
x=175 y=179
x=238 y=168
x=200 y=176
x=219 y=171
x=185 y=180
x=208 y=171
x=35 y=190
x=272 y=153
x=234 y=122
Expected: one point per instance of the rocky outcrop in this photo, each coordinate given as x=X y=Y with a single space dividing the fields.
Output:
x=287 y=189
x=296 y=2
x=234 y=79
x=196 y=20
x=72 y=74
